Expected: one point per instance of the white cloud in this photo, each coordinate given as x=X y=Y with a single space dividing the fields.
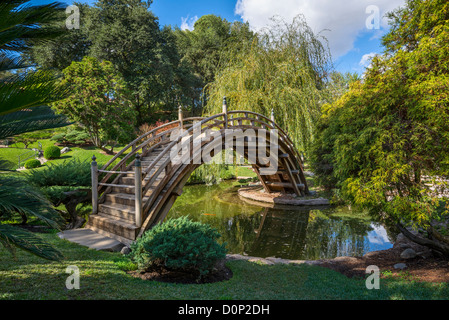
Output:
x=378 y=235
x=366 y=59
x=188 y=23
x=345 y=19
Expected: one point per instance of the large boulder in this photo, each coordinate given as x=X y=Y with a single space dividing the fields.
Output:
x=408 y=253
x=65 y=150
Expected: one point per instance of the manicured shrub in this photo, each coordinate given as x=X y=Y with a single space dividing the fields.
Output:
x=32 y=163
x=179 y=244
x=73 y=172
x=72 y=136
x=52 y=152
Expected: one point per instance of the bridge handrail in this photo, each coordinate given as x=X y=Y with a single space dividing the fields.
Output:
x=276 y=126
x=136 y=148
x=290 y=143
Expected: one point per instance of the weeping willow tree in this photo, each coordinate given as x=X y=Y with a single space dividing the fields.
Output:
x=285 y=69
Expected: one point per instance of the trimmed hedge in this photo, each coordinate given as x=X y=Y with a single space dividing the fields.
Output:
x=52 y=152
x=32 y=163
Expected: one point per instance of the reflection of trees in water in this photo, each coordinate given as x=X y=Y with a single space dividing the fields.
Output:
x=290 y=234
x=334 y=237
x=280 y=234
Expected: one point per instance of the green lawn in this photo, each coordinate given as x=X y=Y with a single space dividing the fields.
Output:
x=12 y=155
x=29 y=277
x=82 y=153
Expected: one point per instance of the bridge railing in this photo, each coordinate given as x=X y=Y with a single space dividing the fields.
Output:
x=121 y=163
x=265 y=121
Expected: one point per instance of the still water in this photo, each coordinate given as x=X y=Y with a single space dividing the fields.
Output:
x=308 y=234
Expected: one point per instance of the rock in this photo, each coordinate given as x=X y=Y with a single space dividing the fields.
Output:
x=371 y=254
x=261 y=261
x=314 y=262
x=278 y=260
x=400 y=266
x=125 y=250
x=297 y=261
x=404 y=246
x=408 y=254
x=65 y=150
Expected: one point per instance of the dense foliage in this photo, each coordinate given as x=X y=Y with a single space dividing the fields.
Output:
x=71 y=172
x=209 y=47
x=23 y=95
x=67 y=183
x=73 y=135
x=385 y=142
x=98 y=101
x=179 y=244
x=284 y=70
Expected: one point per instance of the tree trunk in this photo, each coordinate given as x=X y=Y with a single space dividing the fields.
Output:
x=71 y=201
x=437 y=246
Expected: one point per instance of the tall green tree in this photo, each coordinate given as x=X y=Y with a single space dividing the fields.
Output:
x=71 y=45
x=98 y=101
x=284 y=69
x=208 y=48
x=127 y=33
x=387 y=139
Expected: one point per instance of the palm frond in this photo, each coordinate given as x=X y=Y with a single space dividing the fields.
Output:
x=21 y=23
x=18 y=196
x=9 y=62
x=28 y=90
x=11 y=237
x=27 y=120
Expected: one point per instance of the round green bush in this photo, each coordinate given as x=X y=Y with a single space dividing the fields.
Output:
x=179 y=244
x=32 y=163
x=52 y=152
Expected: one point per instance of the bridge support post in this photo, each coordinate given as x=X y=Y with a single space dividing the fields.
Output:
x=94 y=174
x=225 y=111
x=138 y=189
x=180 y=118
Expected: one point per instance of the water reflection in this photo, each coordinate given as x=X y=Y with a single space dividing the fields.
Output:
x=271 y=232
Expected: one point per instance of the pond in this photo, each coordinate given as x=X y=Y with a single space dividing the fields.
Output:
x=304 y=234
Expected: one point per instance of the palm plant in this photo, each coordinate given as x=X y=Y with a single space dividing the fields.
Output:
x=17 y=196
x=22 y=26
x=24 y=97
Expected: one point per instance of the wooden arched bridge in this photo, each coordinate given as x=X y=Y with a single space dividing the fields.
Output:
x=137 y=187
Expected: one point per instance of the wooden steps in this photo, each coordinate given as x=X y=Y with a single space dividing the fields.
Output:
x=113 y=225
x=116 y=216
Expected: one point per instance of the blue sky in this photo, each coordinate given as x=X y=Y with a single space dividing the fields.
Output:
x=352 y=27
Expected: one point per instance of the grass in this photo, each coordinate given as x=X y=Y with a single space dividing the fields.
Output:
x=101 y=277
x=12 y=155
x=82 y=153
